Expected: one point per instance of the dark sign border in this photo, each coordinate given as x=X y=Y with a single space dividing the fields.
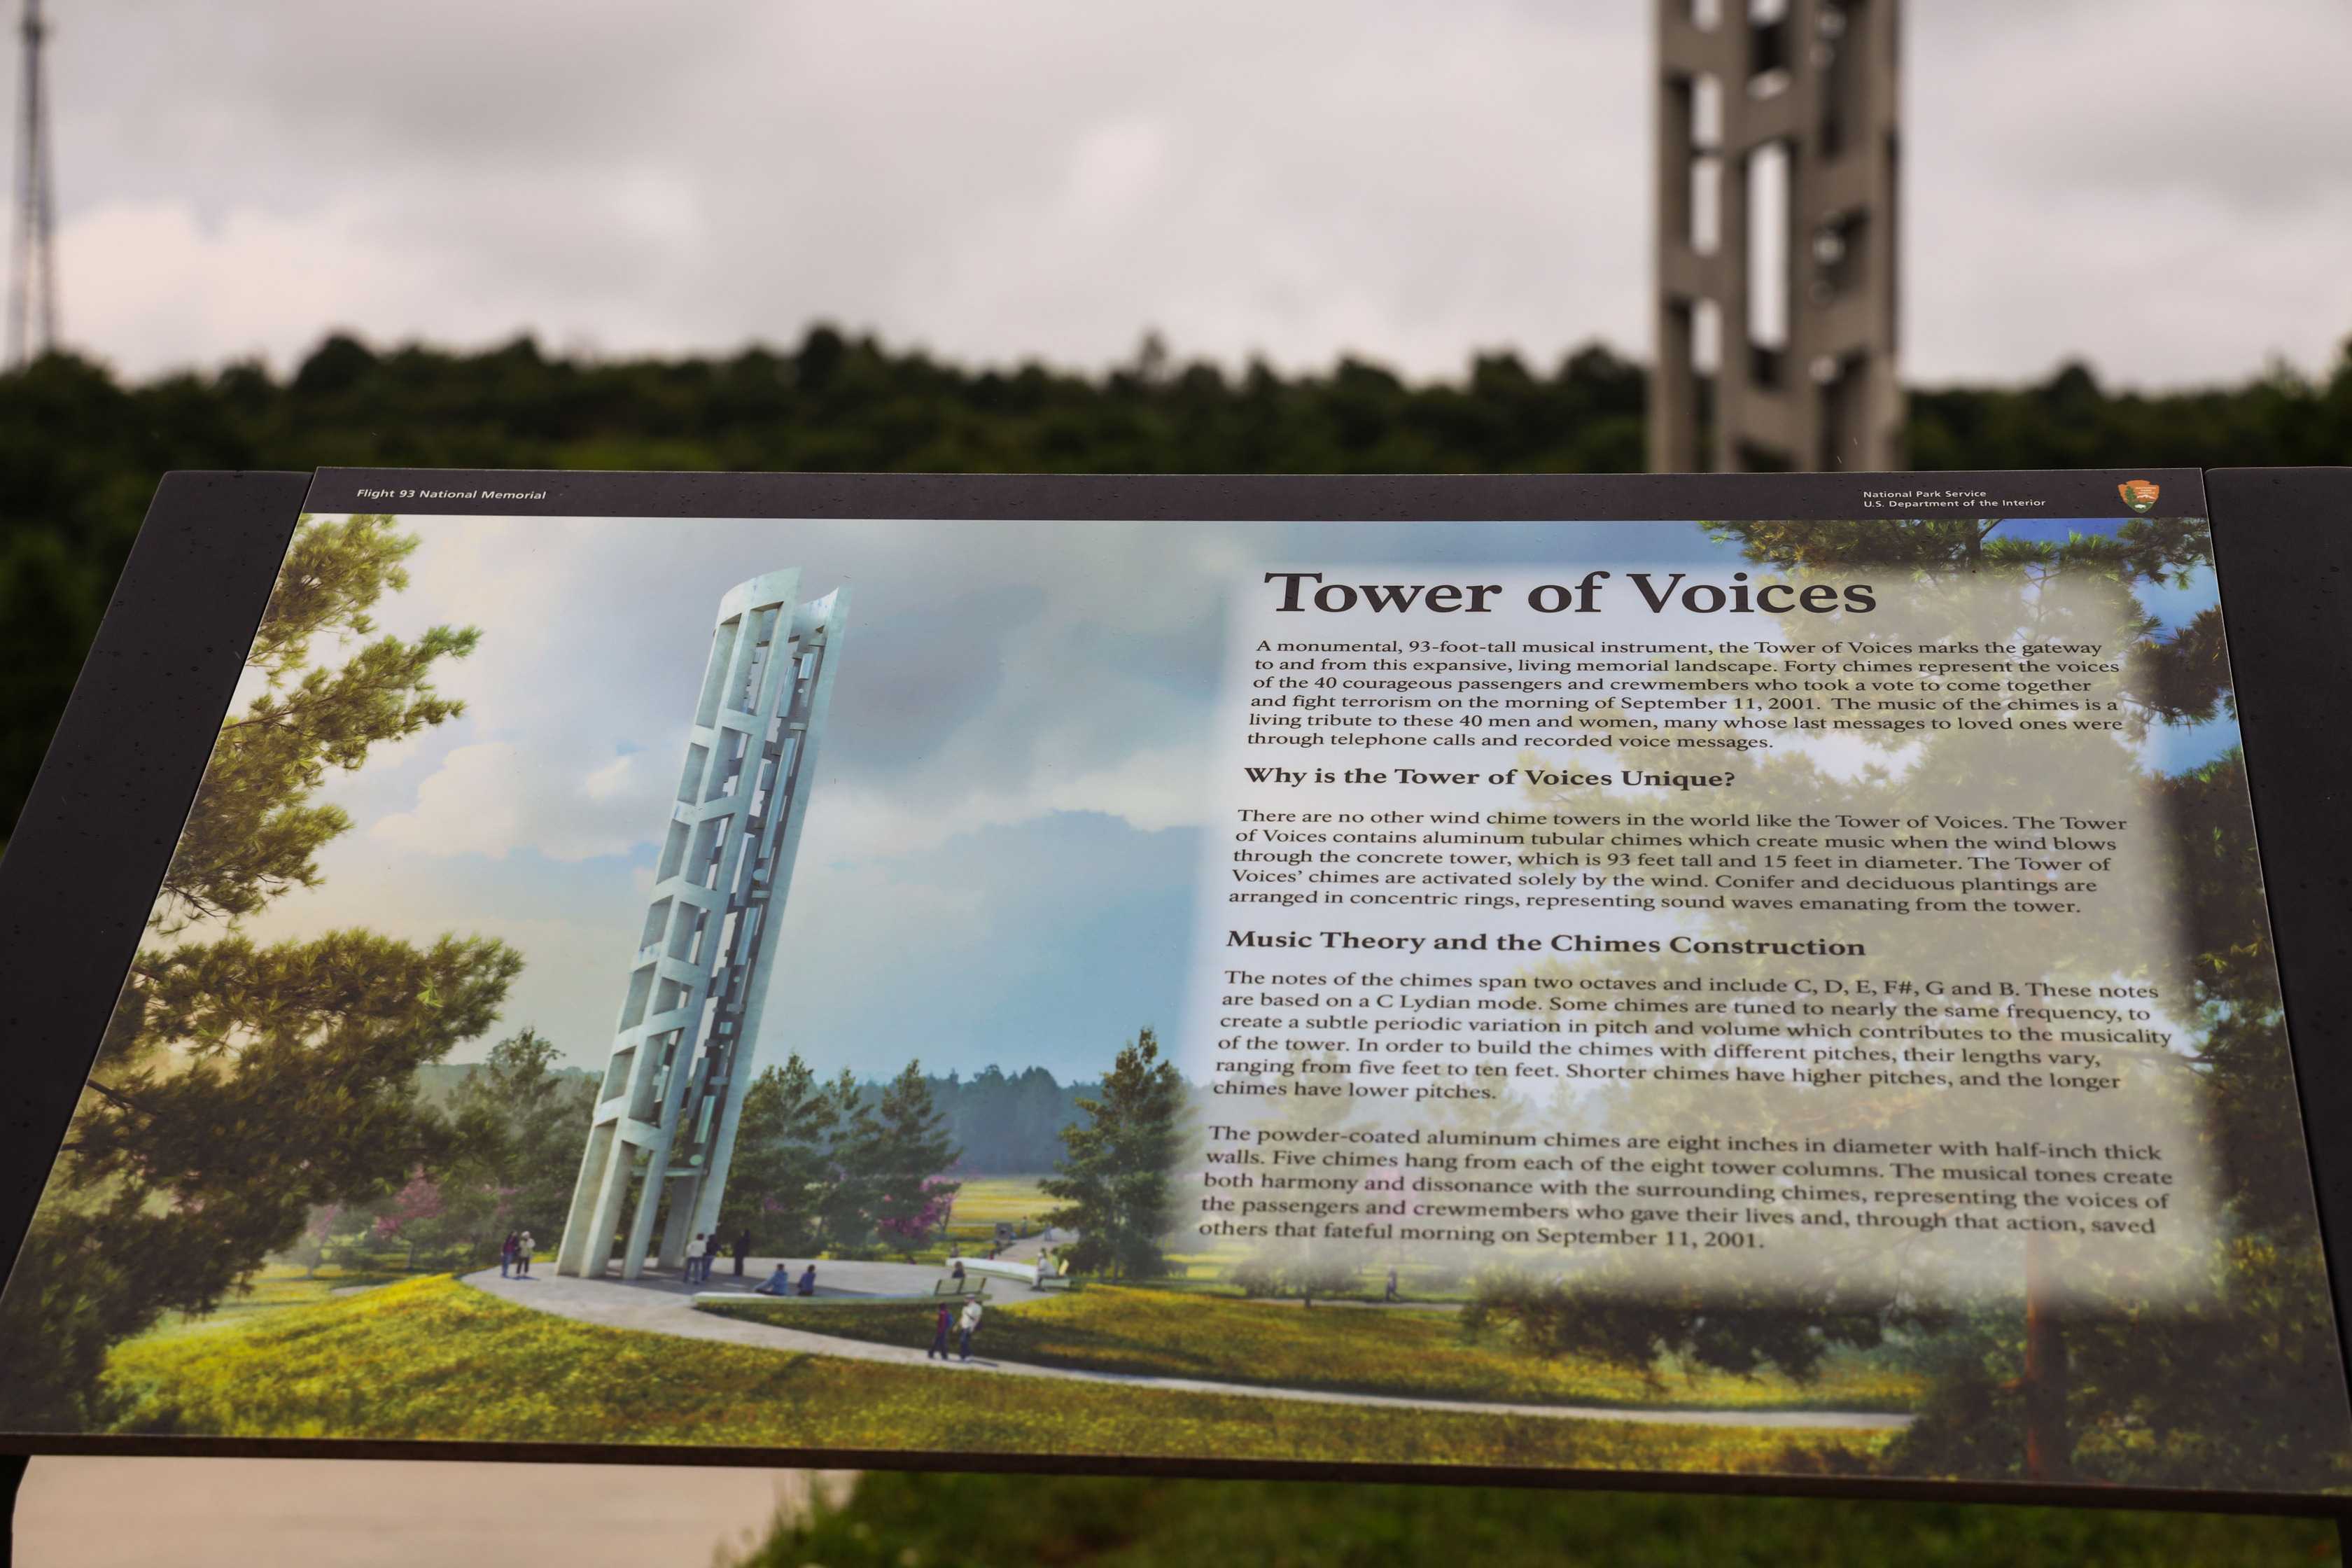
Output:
x=103 y=817
x=2283 y=552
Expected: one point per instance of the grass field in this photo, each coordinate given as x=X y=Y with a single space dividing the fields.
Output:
x=431 y=1358
x=1010 y=1522
x=278 y=1288
x=1165 y=1333
x=985 y=1200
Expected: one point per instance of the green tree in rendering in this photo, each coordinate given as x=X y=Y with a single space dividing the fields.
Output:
x=901 y=1161
x=1113 y=1177
x=844 y=1198
x=254 y=830
x=240 y=1086
x=781 y=1143
x=522 y=1126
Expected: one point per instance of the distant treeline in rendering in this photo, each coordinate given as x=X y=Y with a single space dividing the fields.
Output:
x=1007 y=1124
x=80 y=451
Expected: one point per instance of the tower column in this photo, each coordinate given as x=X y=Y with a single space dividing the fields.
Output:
x=682 y=1050
x=1778 y=149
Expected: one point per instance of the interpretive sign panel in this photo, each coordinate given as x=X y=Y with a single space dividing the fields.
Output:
x=1602 y=979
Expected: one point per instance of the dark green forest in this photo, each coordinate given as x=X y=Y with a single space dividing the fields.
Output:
x=81 y=450
x=1007 y=1124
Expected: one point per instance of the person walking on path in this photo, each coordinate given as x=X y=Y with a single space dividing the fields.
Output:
x=939 y=1332
x=1391 y=1290
x=524 y=1244
x=694 y=1259
x=742 y=1250
x=969 y=1323
x=507 y=1255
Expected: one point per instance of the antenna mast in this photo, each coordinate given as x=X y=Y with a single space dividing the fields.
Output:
x=33 y=262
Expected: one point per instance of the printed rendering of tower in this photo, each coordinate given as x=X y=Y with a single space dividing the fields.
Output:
x=673 y=1091
x=1778 y=146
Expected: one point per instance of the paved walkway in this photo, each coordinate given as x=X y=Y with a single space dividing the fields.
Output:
x=835 y=1280
x=665 y=1307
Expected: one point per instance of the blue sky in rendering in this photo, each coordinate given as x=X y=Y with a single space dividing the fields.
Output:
x=2169 y=748
x=1004 y=832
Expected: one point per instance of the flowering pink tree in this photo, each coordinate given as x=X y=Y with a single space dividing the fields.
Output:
x=409 y=1221
x=908 y=1231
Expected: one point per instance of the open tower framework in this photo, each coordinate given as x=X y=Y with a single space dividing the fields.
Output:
x=33 y=254
x=1778 y=153
x=673 y=1091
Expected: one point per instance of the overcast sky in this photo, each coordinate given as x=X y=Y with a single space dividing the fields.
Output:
x=2164 y=186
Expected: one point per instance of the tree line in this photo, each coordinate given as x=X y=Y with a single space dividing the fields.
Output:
x=830 y=1166
x=839 y=1166
x=80 y=450
x=999 y=1123
x=510 y=1131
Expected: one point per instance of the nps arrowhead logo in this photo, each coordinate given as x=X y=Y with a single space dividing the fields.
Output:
x=2138 y=494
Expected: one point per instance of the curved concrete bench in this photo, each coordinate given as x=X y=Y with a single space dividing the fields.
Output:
x=822 y=1297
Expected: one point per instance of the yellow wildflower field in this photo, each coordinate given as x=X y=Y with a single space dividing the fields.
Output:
x=1423 y=1354
x=432 y=1359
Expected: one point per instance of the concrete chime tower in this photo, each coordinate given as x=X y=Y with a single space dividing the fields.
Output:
x=664 y=1119
x=1778 y=153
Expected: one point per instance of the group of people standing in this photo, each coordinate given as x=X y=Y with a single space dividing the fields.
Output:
x=705 y=1250
x=514 y=1256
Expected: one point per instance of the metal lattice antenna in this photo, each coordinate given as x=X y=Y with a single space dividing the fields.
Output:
x=32 y=261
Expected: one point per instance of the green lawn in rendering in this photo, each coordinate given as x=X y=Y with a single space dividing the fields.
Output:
x=276 y=1289
x=431 y=1358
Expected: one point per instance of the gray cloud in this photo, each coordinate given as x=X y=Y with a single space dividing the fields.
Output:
x=2162 y=185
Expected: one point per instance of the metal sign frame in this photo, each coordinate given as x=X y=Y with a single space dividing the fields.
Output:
x=105 y=813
